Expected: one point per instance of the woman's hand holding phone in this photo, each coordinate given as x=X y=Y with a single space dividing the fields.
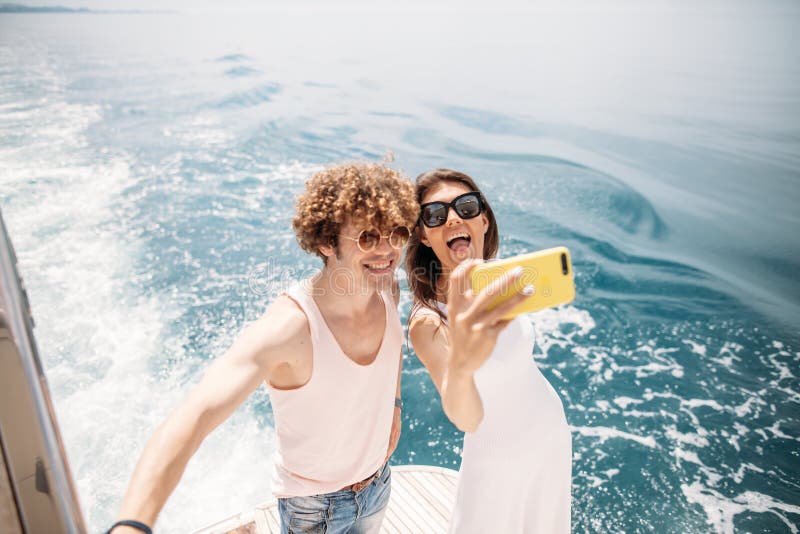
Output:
x=472 y=327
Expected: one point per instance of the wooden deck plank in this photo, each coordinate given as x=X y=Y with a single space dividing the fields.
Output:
x=444 y=496
x=404 y=509
x=274 y=519
x=242 y=523
x=267 y=518
x=441 y=488
x=399 y=520
x=262 y=524
x=391 y=523
x=431 y=495
x=421 y=502
x=449 y=485
x=417 y=507
x=443 y=493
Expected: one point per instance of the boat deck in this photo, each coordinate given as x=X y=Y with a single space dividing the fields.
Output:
x=421 y=502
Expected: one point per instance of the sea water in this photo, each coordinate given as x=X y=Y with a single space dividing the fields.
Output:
x=149 y=163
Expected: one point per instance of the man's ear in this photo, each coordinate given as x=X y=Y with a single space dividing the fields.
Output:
x=327 y=250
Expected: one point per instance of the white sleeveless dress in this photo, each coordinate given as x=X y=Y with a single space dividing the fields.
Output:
x=516 y=468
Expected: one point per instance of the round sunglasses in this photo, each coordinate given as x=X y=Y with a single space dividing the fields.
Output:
x=467 y=206
x=368 y=240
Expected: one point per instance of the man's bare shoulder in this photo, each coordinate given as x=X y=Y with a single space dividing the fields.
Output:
x=282 y=323
x=282 y=330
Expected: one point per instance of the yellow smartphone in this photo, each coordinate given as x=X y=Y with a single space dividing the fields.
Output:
x=548 y=271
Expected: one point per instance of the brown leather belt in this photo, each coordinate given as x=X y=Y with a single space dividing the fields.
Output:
x=358 y=486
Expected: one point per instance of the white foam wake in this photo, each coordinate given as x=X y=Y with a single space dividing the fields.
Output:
x=102 y=340
x=722 y=510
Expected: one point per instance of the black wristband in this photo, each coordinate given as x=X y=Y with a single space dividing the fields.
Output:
x=398 y=402
x=131 y=523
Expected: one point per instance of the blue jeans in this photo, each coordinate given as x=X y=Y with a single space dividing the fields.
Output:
x=339 y=512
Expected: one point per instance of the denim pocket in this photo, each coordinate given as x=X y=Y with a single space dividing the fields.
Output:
x=307 y=523
x=306 y=515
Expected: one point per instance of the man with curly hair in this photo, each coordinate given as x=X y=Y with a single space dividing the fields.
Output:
x=328 y=350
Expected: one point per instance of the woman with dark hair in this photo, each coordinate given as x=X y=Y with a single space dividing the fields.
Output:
x=516 y=465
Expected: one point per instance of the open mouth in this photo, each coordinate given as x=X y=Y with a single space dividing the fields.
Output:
x=379 y=267
x=459 y=241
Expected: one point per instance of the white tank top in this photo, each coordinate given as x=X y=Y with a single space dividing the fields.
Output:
x=334 y=430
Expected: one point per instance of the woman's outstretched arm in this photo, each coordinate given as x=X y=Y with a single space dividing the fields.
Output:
x=452 y=352
x=460 y=398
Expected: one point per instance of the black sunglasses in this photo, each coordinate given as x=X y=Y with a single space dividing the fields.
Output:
x=467 y=206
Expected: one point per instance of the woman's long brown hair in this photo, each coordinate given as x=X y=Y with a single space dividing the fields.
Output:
x=422 y=265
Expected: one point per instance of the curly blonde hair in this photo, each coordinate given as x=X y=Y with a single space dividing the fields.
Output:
x=372 y=195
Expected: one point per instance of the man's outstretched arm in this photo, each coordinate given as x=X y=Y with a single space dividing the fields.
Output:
x=227 y=383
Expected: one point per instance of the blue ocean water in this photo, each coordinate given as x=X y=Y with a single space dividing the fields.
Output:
x=149 y=164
